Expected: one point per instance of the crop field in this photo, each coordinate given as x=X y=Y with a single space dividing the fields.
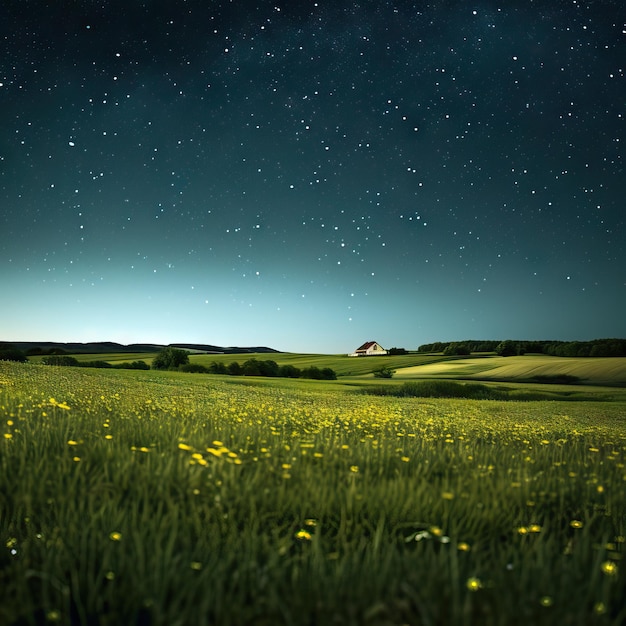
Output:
x=158 y=498
x=603 y=371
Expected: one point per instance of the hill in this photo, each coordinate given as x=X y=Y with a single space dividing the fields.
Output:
x=105 y=347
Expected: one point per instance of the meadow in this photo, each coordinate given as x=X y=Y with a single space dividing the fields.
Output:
x=160 y=498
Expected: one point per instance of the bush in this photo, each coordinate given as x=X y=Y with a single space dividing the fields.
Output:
x=384 y=372
x=289 y=371
x=135 y=365
x=61 y=360
x=218 y=368
x=316 y=373
x=12 y=354
x=170 y=359
x=194 y=368
x=438 y=389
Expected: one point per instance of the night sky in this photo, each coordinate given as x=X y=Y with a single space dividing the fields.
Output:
x=312 y=175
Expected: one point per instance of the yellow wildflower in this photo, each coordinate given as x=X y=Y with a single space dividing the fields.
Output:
x=115 y=536
x=474 y=584
x=609 y=568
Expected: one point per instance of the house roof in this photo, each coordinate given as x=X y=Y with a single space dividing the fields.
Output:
x=366 y=346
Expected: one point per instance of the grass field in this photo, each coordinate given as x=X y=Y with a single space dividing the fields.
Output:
x=589 y=371
x=143 y=497
x=599 y=371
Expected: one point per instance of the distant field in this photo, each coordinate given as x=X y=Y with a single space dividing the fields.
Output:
x=342 y=364
x=590 y=371
x=595 y=371
x=109 y=357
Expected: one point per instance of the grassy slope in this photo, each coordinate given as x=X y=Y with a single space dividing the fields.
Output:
x=591 y=371
x=595 y=371
x=121 y=507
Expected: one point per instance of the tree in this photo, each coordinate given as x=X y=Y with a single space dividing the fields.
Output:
x=234 y=369
x=251 y=367
x=384 y=372
x=456 y=349
x=268 y=368
x=218 y=368
x=170 y=359
x=10 y=353
x=397 y=351
x=506 y=348
x=61 y=360
x=289 y=371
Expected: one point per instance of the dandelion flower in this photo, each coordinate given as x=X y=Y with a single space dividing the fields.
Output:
x=115 y=536
x=463 y=547
x=599 y=608
x=8 y=436
x=609 y=568
x=534 y=528
x=474 y=584
x=184 y=446
x=576 y=523
x=303 y=535
x=354 y=469
x=546 y=601
x=447 y=495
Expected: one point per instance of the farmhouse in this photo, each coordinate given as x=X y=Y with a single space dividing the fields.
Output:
x=369 y=348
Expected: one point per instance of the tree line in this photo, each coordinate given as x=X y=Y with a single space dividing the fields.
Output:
x=64 y=360
x=509 y=347
x=178 y=360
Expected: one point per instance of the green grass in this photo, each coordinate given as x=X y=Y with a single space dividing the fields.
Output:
x=609 y=371
x=157 y=498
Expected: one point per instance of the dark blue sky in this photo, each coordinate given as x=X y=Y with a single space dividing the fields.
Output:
x=312 y=175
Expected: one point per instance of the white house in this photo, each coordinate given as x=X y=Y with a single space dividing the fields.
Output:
x=369 y=348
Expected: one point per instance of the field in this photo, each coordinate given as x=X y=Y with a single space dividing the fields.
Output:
x=157 y=498
x=599 y=371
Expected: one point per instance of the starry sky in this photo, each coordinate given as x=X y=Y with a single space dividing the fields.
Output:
x=312 y=175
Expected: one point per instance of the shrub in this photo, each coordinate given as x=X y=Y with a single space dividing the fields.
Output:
x=61 y=360
x=170 y=359
x=135 y=365
x=12 y=354
x=384 y=372
x=194 y=368
x=289 y=371
x=218 y=368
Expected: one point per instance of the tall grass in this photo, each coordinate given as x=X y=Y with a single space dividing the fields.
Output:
x=146 y=498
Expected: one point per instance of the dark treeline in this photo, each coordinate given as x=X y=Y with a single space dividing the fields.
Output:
x=64 y=360
x=596 y=347
x=255 y=367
